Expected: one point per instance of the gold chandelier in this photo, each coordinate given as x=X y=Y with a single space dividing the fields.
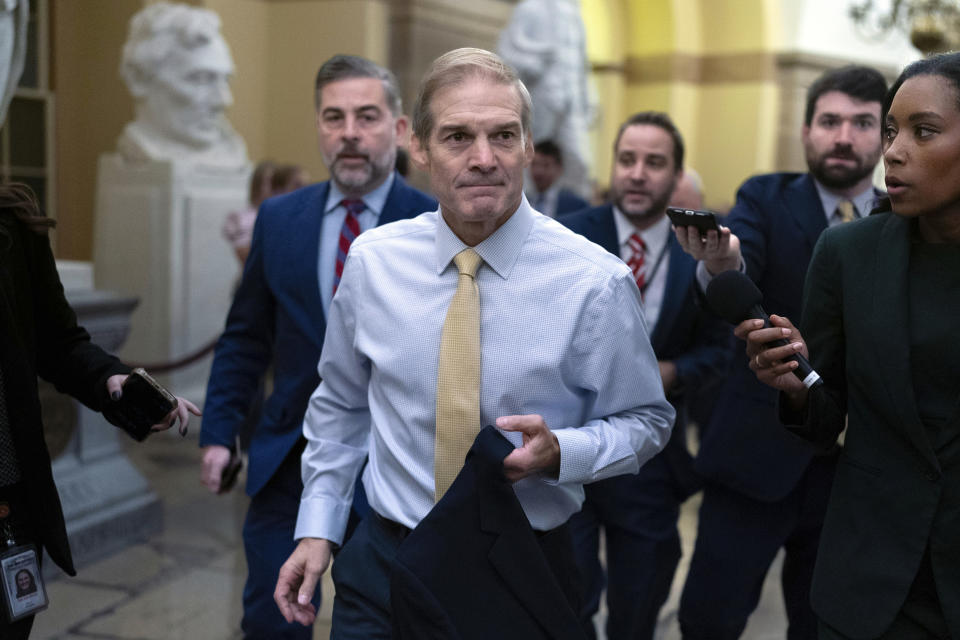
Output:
x=933 y=25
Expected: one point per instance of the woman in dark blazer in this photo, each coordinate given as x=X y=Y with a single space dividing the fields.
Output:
x=39 y=336
x=881 y=313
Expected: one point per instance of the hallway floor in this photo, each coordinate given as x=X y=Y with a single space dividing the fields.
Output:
x=185 y=582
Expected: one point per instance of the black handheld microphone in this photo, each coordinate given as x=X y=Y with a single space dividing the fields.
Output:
x=733 y=296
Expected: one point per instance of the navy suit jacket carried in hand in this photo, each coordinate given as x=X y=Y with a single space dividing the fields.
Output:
x=687 y=334
x=473 y=568
x=277 y=317
x=778 y=219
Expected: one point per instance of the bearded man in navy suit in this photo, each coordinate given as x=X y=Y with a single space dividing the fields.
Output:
x=278 y=317
x=765 y=489
x=638 y=513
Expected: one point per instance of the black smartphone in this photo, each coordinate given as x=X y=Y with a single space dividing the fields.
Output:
x=703 y=220
x=143 y=403
x=228 y=477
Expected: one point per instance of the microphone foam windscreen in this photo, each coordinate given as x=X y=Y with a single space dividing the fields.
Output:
x=731 y=295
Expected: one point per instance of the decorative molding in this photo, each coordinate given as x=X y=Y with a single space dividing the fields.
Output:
x=724 y=68
x=708 y=69
x=821 y=63
x=468 y=17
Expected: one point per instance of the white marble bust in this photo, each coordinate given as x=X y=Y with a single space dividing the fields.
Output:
x=13 y=44
x=545 y=42
x=178 y=67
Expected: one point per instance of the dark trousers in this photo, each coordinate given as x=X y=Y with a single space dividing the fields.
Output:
x=268 y=542
x=638 y=514
x=361 y=575
x=737 y=540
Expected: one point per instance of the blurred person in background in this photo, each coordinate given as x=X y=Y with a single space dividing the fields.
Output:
x=546 y=172
x=238 y=226
x=287 y=178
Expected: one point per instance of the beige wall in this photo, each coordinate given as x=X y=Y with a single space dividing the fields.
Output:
x=303 y=35
x=92 y=106
x=686 y=57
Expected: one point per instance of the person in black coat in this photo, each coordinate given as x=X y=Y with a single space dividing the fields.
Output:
x=41 y=338
x=881 y=304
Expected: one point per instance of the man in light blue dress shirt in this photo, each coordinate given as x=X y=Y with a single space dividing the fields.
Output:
x=555 y=312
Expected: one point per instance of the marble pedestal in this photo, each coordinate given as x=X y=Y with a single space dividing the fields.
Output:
x=158 y=237
x=107 y=503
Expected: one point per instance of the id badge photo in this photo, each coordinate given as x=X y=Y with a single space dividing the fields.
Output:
x=23 y=591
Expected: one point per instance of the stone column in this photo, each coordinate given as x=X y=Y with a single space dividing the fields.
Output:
x=158 y=237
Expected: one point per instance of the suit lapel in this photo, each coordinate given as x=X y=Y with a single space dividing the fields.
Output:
x=891 y=333
x=530 y=579
x=397 y=204
x=679 y=267
x=802 y=203
x=605 y=230
x=515 y=553
x=305 y=243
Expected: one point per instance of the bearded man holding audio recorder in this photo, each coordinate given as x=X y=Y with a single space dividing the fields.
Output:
x=765 y=490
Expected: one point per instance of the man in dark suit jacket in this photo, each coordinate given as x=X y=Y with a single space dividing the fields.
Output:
x=639 y=512
x=549 y=198
x=299 y=244
x=765 y=489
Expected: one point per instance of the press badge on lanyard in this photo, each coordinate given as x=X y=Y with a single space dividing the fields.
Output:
x=23 y=591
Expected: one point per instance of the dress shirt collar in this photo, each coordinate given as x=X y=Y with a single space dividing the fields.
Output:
x=654 y=237
x=375 y=200
x=500 y=251
x=863 y=201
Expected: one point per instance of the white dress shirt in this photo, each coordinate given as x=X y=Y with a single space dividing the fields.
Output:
x=655 y=237
x=555 y=310
x=863 y=203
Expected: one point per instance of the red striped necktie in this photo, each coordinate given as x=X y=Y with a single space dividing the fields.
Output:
x=635 y=260
x=348 y=233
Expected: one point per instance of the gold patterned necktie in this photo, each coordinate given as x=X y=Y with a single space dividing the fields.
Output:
x=846 y=211
x=458 y=376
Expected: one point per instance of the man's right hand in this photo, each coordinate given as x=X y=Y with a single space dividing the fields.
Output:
x=719 y=251
x=298 y=580
x=215 y=459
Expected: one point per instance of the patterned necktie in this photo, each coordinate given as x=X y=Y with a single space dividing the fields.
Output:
x=846 y=211
x=635 y=260
x=458 y=376
x=348 y=233
x=9 y=469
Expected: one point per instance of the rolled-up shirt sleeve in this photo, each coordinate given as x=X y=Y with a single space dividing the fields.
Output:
x=628 y=420
x=337 y=421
